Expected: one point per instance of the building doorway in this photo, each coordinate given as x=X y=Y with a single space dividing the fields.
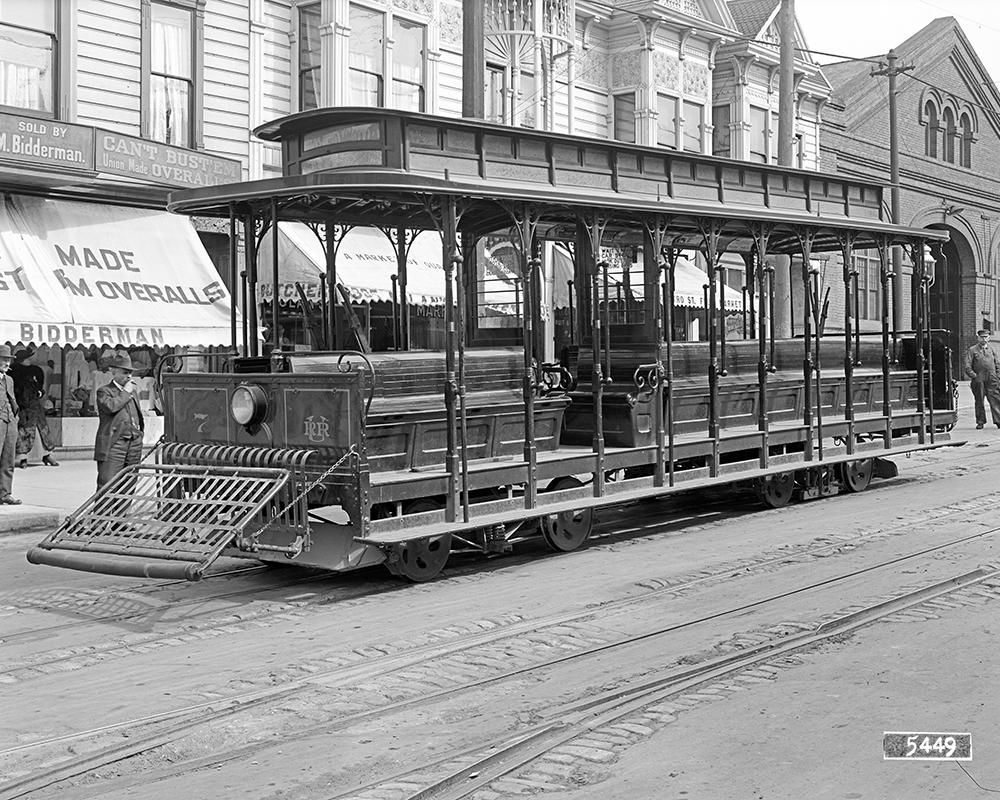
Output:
x=945 y=298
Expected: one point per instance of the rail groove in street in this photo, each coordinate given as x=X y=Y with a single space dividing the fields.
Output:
x=405 y=669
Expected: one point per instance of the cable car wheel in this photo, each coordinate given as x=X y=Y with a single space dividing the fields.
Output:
x=420 y=560
x=856 y=475
x=775 y=491
x=568 y=530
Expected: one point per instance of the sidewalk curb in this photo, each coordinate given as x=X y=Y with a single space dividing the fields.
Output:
x=27 y=519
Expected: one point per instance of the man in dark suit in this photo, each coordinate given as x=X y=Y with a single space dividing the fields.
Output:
x=8 y=430
x=119 y=433
x=982 y=367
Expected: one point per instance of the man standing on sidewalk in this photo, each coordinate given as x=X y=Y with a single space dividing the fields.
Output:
x=982 y=368
x=119 y=433
x=8 y=430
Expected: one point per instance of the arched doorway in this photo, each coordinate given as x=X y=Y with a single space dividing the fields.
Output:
x=946 y=292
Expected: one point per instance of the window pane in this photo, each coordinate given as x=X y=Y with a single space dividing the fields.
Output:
x=39 y=15
x=721 y=134
x=666 y=130
x=407 y=96
x=309 y=89
x=27 y=78
x=408 y=65
x=625 y=117
x=692 y=126
x=171 y=40
x=170 y=107
x=408 y=51
x=758 y=134
x=309 y=48
x=495 y=85
x=366 y=89
x=366 y=40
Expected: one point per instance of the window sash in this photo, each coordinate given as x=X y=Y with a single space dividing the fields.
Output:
x=28 y=69
x=170 y=110
x=692 y=126
x=624 y=105
x=758 y=134
x=666 y=121
x=309 y=56
x=721 y=133
x=36 y=15
x=171 y=41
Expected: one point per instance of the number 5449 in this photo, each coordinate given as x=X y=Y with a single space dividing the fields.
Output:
x=927 y=746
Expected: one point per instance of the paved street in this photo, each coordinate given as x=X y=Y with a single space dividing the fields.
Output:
x=243 y=685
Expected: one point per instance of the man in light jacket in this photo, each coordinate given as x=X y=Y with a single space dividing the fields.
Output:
x=982 y=368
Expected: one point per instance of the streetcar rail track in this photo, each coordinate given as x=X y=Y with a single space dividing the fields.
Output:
x=391 y=663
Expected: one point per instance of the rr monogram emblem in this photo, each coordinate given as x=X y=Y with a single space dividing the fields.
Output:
x=317 y=429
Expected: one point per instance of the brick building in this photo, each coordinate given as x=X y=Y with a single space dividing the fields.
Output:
x=949 y=158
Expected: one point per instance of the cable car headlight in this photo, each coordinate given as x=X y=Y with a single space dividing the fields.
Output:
x=248 y=405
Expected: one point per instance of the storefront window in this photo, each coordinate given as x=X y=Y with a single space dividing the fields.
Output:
x=28 y=55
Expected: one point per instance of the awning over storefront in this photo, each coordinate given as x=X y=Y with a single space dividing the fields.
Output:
x=89 y=274
x=365 y=263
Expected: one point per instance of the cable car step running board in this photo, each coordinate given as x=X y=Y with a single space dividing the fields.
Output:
x=173 y=520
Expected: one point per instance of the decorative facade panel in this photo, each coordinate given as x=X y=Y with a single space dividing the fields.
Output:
x=625 y=69
x=666 y=71
x=451 y=26
x=423 y=7
x=697 y=80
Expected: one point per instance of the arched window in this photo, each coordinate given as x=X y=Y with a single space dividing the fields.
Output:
x=931 y=134
x=966 y=143
x=949 y=136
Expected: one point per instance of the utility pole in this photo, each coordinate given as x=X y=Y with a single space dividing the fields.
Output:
x=782 y=275
x=473 y=59
x=892 y=71
x=786 y=82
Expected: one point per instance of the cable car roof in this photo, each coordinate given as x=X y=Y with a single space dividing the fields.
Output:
x=389 y=168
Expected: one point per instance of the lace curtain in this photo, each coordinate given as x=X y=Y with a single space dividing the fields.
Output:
x=170 y=87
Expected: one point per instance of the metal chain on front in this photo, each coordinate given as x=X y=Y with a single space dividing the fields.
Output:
x=329 y=471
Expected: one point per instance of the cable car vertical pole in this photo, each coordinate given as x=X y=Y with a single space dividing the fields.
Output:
x=850 y=274
x=250 y=238
x=529 y=271
x=275 y=337
x=883 y=256
x=463 y=258
x=710 y=236
x=926 y=281
x=916 y=253
x=652 y=247
x=672 y=255
x=448 y=254
x=233 y=277
x=760 y=238
x=595 y=231
x=807 y=366
x=331 y=238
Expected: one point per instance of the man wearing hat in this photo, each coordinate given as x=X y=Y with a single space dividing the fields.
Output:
x=8 y=430
x=119 y=433
x=982 y=368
